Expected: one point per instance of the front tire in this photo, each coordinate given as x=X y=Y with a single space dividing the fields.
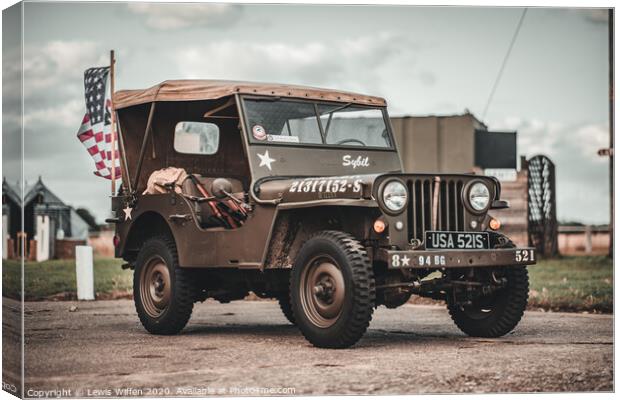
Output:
x=332 y=290
x=495 y=315
x=163 y=293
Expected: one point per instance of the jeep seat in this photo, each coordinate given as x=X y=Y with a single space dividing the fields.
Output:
x=203 y=211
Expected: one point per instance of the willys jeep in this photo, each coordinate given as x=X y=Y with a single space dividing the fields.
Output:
x=298 y=194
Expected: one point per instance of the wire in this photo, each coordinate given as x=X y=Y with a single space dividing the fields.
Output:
x=501 y=70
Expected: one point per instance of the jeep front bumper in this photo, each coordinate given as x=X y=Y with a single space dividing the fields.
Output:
x=457 y=258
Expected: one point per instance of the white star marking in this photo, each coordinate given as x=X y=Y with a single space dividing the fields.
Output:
x=127 y=210
x=265 y=160
x=405 y=261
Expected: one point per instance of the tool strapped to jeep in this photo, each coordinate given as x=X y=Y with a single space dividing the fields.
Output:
x=223 y=208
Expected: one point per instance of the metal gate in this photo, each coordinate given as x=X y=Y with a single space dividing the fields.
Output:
x=542 y=222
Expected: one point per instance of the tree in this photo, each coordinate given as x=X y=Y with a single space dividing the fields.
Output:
x=89 y=219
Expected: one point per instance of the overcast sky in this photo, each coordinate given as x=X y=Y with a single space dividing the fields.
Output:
x=422 y=60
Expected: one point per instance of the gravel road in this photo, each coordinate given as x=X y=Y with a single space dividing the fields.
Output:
x=100 y=349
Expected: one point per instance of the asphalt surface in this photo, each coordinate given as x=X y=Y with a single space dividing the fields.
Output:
x=249 y=348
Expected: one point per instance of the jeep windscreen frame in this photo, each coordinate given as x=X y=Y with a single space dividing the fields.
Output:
x=321 y=123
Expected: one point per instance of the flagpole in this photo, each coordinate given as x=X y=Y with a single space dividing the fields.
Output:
x=113 y=127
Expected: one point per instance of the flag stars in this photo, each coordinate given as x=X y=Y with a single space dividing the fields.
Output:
x=95 y=96
x=97 y=124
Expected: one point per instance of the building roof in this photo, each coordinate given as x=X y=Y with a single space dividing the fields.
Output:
x=184 y=90
x=10 y=191
x=39 y=188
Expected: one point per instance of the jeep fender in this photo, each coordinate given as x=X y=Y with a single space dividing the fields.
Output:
x=294 y=223
x=144 y=226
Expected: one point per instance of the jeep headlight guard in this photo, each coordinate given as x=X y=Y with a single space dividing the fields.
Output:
x=478 y=196
x=394 y=196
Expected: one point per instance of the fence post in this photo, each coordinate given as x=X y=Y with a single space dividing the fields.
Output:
x=84 y=274
x=588 y=239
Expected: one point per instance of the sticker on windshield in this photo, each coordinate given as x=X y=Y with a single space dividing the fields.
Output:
x=283 y=138
x=259 y=132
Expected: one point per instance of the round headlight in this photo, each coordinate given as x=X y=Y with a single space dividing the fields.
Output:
x=479 y=196
x=394 y=196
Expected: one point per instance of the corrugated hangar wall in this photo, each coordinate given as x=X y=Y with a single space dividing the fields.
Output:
x=446 y=144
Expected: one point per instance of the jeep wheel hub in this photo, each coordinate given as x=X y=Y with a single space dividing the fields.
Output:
x=155 y=289
x=322 y=291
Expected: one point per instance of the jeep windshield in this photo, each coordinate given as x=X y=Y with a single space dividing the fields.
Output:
x=278 y=121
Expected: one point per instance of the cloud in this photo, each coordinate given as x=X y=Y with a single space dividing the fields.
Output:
x=581 y=175
x=178 y=16
x=360 y=64
x=59 y=64
x=66 y=115
x=11 y=75
x=53 y=109
x=54 y=85
x=552 y=138
x=597 y=15
x=591 y=138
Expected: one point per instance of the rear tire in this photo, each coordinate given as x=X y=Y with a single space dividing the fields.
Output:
x=163 y=293
x=285 y=305
x=332 y=290
x=499 y=315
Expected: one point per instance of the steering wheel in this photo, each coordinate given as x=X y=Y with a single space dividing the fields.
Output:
x=352 y=141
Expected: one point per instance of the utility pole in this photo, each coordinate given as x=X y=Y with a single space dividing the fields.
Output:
x=609 y=152
x=611 y=132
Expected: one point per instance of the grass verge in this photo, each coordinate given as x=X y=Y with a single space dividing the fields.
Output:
x=561 y=284
x=578 y=283
x=56 y=279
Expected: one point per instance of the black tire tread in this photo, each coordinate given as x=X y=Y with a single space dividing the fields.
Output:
x=516 y=303
x=184 y=295
x=363 y=291
x=285 y=305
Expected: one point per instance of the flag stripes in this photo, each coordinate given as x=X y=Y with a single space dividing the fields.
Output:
x=97 y=137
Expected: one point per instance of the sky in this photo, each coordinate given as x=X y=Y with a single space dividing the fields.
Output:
x=423 y=60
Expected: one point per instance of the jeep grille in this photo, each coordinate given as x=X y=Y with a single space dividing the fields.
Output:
x=450 y=211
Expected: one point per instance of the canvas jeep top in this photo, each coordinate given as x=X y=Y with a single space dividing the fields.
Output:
x=297 y=193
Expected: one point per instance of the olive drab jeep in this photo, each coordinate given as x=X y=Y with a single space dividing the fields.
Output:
x=298 y=194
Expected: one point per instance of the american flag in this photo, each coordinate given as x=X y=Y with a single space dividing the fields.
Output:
x=95 y=133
